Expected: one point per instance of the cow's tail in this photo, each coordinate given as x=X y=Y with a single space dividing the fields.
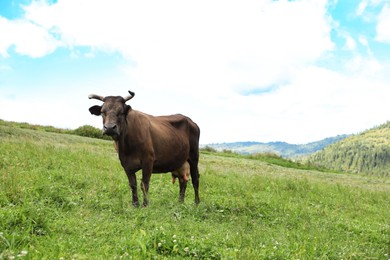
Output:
x=194 y=149
x=194 y=158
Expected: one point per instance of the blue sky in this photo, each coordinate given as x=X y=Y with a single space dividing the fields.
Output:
x=294 y=71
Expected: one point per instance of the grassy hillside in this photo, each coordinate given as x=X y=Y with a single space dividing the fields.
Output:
x=283 y=149
x=86 y=130
x=66 y=197
x=368 y=152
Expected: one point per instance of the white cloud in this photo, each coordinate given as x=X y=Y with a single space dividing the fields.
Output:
x=27 y=38
x=350 y=43
x=318 y=103
x=382 y=29
x=180 y=43
x=365 y=4
x=362 y=7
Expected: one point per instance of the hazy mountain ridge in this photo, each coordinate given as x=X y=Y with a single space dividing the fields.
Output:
x=367 y=152
x=281 y=148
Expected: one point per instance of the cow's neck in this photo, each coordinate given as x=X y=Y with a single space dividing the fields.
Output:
x=127 y=140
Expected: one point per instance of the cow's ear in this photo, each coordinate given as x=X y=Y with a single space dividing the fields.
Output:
x=127 y=108
x=95 y=110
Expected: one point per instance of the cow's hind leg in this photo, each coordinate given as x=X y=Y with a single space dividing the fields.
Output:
x=183 y=186
x=195 y=178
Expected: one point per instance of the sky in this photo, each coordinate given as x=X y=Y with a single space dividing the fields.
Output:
x=265 y=70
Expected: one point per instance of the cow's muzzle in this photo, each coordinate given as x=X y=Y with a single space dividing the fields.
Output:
x=110 y=129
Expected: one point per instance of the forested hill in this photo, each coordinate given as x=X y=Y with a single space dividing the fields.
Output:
x=281 y=148
x=368 y=152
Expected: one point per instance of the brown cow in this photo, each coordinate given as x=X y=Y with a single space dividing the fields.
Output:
x=155 y=144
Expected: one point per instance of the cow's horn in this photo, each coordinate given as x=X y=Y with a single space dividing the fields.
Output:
x=96 y=97
x=132 y=94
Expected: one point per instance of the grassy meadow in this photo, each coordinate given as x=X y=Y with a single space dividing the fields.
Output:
x=67 y=197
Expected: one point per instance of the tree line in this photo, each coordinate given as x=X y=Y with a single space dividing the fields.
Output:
x=85 y=130
x=367 y=152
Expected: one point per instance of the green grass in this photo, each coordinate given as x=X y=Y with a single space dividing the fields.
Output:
x=65 y=196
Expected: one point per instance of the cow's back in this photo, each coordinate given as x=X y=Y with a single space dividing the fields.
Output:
x=171 y=141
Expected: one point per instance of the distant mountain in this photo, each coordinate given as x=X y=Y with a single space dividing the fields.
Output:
x=281 y=148
x=367 y=152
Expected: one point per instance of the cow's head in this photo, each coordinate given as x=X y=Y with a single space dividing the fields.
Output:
x=113 y=111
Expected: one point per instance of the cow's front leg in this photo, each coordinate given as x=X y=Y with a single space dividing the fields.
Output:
x=133 y=186
x=146 y=174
